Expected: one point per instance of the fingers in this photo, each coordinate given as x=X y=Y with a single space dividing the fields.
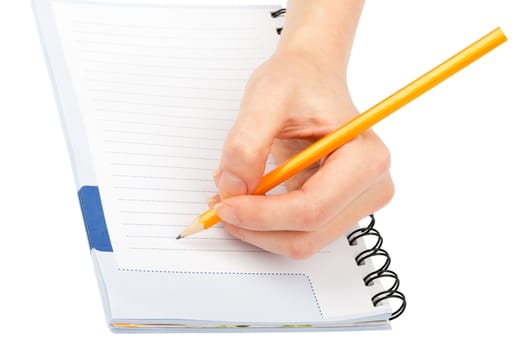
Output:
x=289 y=243
x=347 y=173
x=248 y=144
x=213 y=200
x=268 y=213
x=300 y=245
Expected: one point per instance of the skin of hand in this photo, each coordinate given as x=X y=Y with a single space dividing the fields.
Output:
x=293 y=99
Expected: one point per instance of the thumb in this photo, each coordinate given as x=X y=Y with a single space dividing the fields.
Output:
x=248 y=144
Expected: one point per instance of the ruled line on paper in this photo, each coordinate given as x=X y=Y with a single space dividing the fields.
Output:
x=176 y=146
x=143 y=46
x=269 y=162
x=174 y=156
x=157 y=212
x=152 y=225
x=166 y=76
x=163 y=86
x=165 y=125
x=142 y=26
x=159 y=166
x=162 y=177
x=171 y=96
x=214 y=238
x=161 y=115
x=137 y=188
x=212 y=250
x=140 y=34
x=215 y=250
x=155 y=104
x=160 y=201
x=191 y=58
x=174 y=236
x=136 y=225
x=168 y=66
x=154 y=134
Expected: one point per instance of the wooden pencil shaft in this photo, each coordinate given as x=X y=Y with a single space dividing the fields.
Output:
x=366 y=120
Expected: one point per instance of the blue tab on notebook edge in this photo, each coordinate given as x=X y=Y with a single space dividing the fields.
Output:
x=94 y=218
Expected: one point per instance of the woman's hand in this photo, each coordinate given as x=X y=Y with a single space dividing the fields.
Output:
x=292 y=100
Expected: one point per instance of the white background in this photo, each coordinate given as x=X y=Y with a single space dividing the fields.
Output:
x=452 y=228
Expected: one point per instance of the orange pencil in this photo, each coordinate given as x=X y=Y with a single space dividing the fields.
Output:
x=362 y=122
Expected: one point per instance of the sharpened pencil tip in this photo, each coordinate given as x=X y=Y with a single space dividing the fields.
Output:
x=195 y=226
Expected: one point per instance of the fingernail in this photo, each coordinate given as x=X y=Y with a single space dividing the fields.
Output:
x=230 y=185
x=226 y=213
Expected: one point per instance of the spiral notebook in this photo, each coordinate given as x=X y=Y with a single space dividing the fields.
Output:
x=147 y=91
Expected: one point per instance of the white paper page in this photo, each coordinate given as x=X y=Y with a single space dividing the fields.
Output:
x=158 y=88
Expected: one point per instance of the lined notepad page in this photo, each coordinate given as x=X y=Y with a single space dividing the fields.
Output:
x=158 y=88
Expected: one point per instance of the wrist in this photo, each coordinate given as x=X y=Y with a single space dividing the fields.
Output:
x=322 y=30
x=327 y=63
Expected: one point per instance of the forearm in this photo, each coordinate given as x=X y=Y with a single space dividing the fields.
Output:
x=324 y=29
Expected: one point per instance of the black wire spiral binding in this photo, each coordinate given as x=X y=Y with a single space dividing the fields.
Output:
x=381 y=272
x=276 y=14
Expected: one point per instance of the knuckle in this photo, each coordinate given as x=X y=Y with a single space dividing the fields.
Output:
x=256 y=83
x=262 y=81
x=235 y=145
x=313 y=215
x=299 y=248
x=386 y=193
x=268 y=87
x=382 y=160
x=239 y=147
